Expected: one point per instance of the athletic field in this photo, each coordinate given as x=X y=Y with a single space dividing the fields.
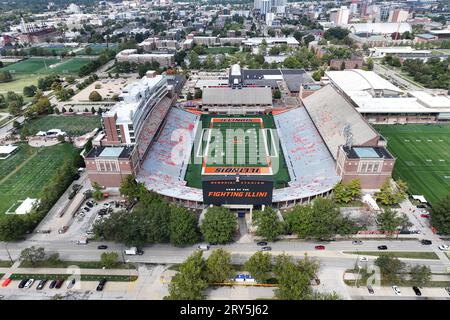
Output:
x=25 y=173
x=423 y=157
x=229 y=145
x=72 y=125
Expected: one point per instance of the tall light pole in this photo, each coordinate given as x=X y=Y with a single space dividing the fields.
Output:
x=7 y=251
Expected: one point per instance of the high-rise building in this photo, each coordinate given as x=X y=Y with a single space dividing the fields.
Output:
x=340 y=16
x=264 y=6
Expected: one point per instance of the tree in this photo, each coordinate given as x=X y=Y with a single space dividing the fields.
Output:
x=183 y=226
x=198 y=94
x=293 y=284
x=32 y=255
x=322 y=219
x=95 y=96
x=420 y=275
x=13 y=108
x=268 y=224
x=12 y=228
x=194 y=61
x=218 y=266
x=344 y=193
x=109 y=259
x=189 y=282
x=388 y=221
x=97 y=194
x=259 y=266
x=29 y=91
x=318 y=74
x=218 y=225
x=277 y=94
x=5 y=76
x=440 y=215
x=391 y=269
x=369 y=64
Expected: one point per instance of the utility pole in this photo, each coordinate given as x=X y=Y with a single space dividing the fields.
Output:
x=9 y=255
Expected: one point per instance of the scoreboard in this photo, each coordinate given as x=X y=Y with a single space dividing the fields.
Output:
x=256 y=190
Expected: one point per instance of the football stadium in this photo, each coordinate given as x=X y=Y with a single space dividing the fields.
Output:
x=236 y=148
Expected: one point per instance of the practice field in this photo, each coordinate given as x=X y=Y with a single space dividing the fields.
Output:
x=27 y=72
x=227 y=145
x=25 y=173
x=423 y=157
x=47 y=66
x=72 y=125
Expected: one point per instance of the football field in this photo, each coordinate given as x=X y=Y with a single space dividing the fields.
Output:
x=230 y=145
x=423 y=157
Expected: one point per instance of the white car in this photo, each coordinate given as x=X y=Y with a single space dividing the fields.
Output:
x=444 y=247
x=397 y=290
x=29 y=283
x=363 y=259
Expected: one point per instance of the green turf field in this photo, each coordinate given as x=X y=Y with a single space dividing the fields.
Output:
x=423 y=157
x=251 y=151
x=27 y=72
x=25 y=173
x=72 y=125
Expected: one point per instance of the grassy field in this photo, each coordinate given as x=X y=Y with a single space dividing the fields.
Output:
x=398 y=254
x=423 y=157
x=80 y=264
x=221 y=50
x=84 y=277
x=72 y=125
x=27 y=72
x=194 y=170
x=25 y=173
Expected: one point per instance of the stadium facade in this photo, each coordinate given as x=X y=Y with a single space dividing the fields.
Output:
x=320 y=144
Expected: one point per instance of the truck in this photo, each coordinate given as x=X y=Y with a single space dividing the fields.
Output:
x=133 y=251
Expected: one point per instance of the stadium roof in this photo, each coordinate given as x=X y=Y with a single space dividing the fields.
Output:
x=230 y=96
x=379 y=28
x=294 y=78
x=360 y=80
x=331 y=113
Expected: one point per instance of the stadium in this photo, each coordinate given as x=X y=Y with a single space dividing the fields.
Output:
x=245 y=154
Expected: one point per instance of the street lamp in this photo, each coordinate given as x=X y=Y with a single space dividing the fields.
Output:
x=9 y=255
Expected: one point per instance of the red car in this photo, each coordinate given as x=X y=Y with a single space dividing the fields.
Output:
x=6 y=282
x=319 y=247
x=425 y=216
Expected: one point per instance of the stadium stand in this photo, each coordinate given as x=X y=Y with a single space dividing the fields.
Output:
x=331 y=113
x=159 y=171
x=151 y=125
x=311 y=166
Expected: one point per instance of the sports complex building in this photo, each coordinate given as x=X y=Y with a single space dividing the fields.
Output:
x=240 y=153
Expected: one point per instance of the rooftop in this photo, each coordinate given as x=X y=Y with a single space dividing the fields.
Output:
x=237 y=96
x=122 y=152
x=358 y=152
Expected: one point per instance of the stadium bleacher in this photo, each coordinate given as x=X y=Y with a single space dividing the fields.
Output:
x=160 y=171
x=310 y=164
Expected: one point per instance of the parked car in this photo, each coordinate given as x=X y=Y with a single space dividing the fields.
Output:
x=357 y=242
x=319 y=247
x=22 y=283
x=266 y=249
x=426 y=242
x=417 y=291
x=29 y=284
x=41 y=284
x=363 y=259
x=86 y=209
x=89 y=204
x=102 y=247
x=382 y=247
x=370 y=289
x=443 y=247
x=426 y=216
x=101 y=285
x=262 y=243
x=396 y=290
x=421 y=206
x=6 y=282
x=71 y=284
x=203 y=247
x=448 y=290
x=52 y=284
x=59 y=283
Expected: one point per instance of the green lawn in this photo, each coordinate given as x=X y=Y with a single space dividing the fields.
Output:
x=25 y=173
x=193 y=175
x=27 y=72
x=72 y=125
x=398 y=254
x=423 y=157
x=221 y=50
x=5 y=264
